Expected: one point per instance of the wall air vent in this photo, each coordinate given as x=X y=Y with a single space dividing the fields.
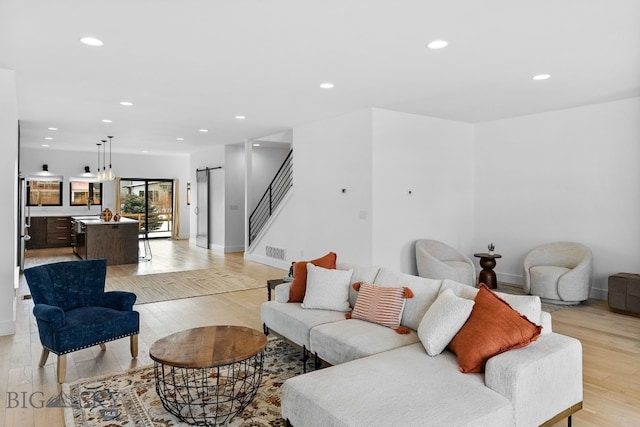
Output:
x=276 y=253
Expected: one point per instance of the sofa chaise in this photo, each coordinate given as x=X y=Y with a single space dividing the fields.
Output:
x=385 y=378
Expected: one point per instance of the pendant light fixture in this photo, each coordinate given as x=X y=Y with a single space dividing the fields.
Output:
x=98 y=170
x=110 y=176
x=103 y=174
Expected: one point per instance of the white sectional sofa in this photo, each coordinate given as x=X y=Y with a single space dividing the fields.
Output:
x=382 y=378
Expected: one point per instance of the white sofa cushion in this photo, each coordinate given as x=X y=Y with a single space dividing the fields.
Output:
x=425 y=292
x=327 y=289
x=361 y=273
x=402 y=387
x=443 y=320
x=293 y=322
x=347 y=340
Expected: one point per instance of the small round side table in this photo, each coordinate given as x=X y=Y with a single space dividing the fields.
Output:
x=487 y=275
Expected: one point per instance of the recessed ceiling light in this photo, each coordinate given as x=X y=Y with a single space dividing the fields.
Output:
x=48 y=138
x=204 y=130
x=541 y=76
x=126 y=103
x=145 y=151
x=52 y=128
x=180 y=139
x=437 y=44
x=327 y=85
x=256 y=145
x=91 y=41
x=240 y=117
x=106 y=121
x=45 y=145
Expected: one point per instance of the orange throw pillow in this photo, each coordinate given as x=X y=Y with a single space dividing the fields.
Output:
x=299 y=284
x=492 y=328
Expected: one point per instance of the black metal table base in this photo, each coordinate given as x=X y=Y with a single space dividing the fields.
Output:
x=209 y=396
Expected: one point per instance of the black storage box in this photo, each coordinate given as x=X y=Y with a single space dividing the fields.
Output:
x=624 y=293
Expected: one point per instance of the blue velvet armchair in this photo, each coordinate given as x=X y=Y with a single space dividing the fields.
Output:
x=73 y=311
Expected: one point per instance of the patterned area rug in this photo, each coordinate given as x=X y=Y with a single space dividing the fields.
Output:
x=181 y=284
x=130 y=399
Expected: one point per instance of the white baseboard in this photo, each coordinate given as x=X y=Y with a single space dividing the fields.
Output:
x=284 y=265
x=225 y=249
x=514 y=279
x=601 y=294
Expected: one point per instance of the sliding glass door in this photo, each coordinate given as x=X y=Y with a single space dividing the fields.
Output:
x=150 y=202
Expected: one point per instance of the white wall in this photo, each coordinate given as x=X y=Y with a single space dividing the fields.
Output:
x=71 y=163
x=234 y=198
x=8 y=213
x=434 y=159
x=318 y=217
x=565 y=175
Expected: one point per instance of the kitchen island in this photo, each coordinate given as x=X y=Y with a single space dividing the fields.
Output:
x=116 y=241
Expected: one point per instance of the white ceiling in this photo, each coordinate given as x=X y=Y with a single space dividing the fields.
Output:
x=195 y=64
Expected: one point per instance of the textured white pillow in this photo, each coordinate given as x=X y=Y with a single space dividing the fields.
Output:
x=443 y=320
x=527 y=305
x=327 y=289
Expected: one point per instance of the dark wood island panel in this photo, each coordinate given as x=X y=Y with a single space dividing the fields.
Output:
x=115 y=241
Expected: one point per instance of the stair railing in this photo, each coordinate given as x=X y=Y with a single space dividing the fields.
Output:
x=278 y=188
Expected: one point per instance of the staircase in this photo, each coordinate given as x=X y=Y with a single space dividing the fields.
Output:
x=278 y=188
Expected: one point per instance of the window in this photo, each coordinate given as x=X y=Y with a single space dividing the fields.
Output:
x=44 y=193
x=85 y=193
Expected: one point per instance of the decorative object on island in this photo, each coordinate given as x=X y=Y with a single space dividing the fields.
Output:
x=116 y=217
x=106 y=215
x=491 y=247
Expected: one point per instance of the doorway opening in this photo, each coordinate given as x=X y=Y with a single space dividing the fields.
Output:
x=150 y=202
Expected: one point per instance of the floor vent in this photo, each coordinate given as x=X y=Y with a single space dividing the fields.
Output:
x=276 y=253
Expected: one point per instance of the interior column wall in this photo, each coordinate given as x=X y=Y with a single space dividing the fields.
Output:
x=8 y=214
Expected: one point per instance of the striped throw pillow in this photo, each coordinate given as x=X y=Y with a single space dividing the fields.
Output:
x=380 y=305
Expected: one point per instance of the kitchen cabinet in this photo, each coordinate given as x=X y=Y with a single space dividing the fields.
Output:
x=49 y=232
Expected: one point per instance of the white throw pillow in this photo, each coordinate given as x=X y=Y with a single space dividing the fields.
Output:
x=527 y=305
x=443 y=320
x=327 y=289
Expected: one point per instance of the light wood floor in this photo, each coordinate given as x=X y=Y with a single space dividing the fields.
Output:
x=611 y=342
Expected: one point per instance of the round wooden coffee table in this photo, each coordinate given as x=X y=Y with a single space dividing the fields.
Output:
x=207 y=375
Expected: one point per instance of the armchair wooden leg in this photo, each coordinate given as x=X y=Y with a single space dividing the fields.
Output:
x=134 y=345
x=62 y=367
x=103 y=347
x=43 y=357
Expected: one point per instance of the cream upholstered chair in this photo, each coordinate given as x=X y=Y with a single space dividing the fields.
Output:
x=437 y=260
x=559 y=272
